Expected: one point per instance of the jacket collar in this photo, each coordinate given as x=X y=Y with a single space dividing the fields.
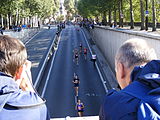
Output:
x=148 y=74
x=7 y=84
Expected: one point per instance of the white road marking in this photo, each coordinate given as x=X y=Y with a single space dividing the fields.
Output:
x=100 y=74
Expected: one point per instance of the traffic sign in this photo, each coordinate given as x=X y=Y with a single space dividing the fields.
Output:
x=147 y=12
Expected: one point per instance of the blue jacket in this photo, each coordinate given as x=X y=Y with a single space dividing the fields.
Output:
x=119 y=105
x=16 y=104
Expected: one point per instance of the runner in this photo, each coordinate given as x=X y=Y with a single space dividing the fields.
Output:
x=78 y=29
x=85 y=53
x=80 y=108
x=76 y=83
x=76 y=56
x=94 y=59
x=80 y=46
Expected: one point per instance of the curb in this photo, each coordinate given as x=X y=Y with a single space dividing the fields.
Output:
x=108 y=74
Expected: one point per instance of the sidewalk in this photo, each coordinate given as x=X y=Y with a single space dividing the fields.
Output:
x=23 y=35
x=108 y=75
x=136 y=29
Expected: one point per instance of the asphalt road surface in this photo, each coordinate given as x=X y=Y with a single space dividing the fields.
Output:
x=60 y=93
x=37 y=47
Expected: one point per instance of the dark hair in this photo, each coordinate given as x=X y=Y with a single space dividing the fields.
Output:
x=12 y=54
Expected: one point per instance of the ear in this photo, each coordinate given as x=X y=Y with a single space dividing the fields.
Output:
x=122 y=71
x=19 y=73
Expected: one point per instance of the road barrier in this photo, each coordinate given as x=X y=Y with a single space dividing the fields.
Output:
x=50 y=51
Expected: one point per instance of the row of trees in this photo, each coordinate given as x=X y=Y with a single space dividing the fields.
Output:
x=71 y=8
x=16 y=12
x=120 y=11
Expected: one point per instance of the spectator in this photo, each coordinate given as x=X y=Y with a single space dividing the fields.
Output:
x=49 y=25
x=18 y=99
x=1 y=31
x=39 y=26
x=120 y=105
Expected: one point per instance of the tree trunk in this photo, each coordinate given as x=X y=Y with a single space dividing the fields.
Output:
x=110 y=17
x=120 y=13
x=131 y=15
x=142 y=14
x=2 y=25
x=28 y=20
x=10 y=20
x=23 y=21
x=16 y=21
x=146 y=22
x=104 y=20
x=7 y=18
x=19 y=19
x=154 y=16
x=32 y=22
x=115 y=15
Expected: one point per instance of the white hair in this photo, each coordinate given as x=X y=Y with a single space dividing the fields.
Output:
x=135 y=51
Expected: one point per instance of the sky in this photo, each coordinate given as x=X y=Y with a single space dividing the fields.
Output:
x=61 y=1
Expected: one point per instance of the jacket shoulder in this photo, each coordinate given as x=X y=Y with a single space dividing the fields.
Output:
x=110 y=92
x=124 y=105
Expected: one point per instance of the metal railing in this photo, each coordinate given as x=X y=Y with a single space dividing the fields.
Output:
x=50 y=51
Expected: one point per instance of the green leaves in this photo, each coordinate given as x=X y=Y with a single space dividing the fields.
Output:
x=26 y=8
x=70 y=6
x=95 y=8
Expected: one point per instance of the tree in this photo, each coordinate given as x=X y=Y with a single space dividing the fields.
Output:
x=115 y=11
x=147 y=13
x=20 y=11
x=154 y=16
x=121 y=15
x=6 y=10
x=88 y=8
x=142 y=14
x=131 y=15
x=70 y=7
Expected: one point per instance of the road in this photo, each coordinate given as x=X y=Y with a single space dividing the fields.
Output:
x=60 y=94
x=37 y=47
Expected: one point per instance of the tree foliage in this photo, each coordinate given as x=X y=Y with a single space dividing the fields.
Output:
x=94 y=8
x=29 y=8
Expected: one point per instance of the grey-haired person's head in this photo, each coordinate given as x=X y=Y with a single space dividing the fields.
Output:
x=133 y=52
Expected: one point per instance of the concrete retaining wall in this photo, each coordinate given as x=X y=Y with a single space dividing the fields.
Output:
x=108 y=40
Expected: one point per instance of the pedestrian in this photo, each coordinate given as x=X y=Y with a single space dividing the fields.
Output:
x=1 y=31
x=39 y=26
x=120 y=104
x=18 y=99
x=49 y=25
